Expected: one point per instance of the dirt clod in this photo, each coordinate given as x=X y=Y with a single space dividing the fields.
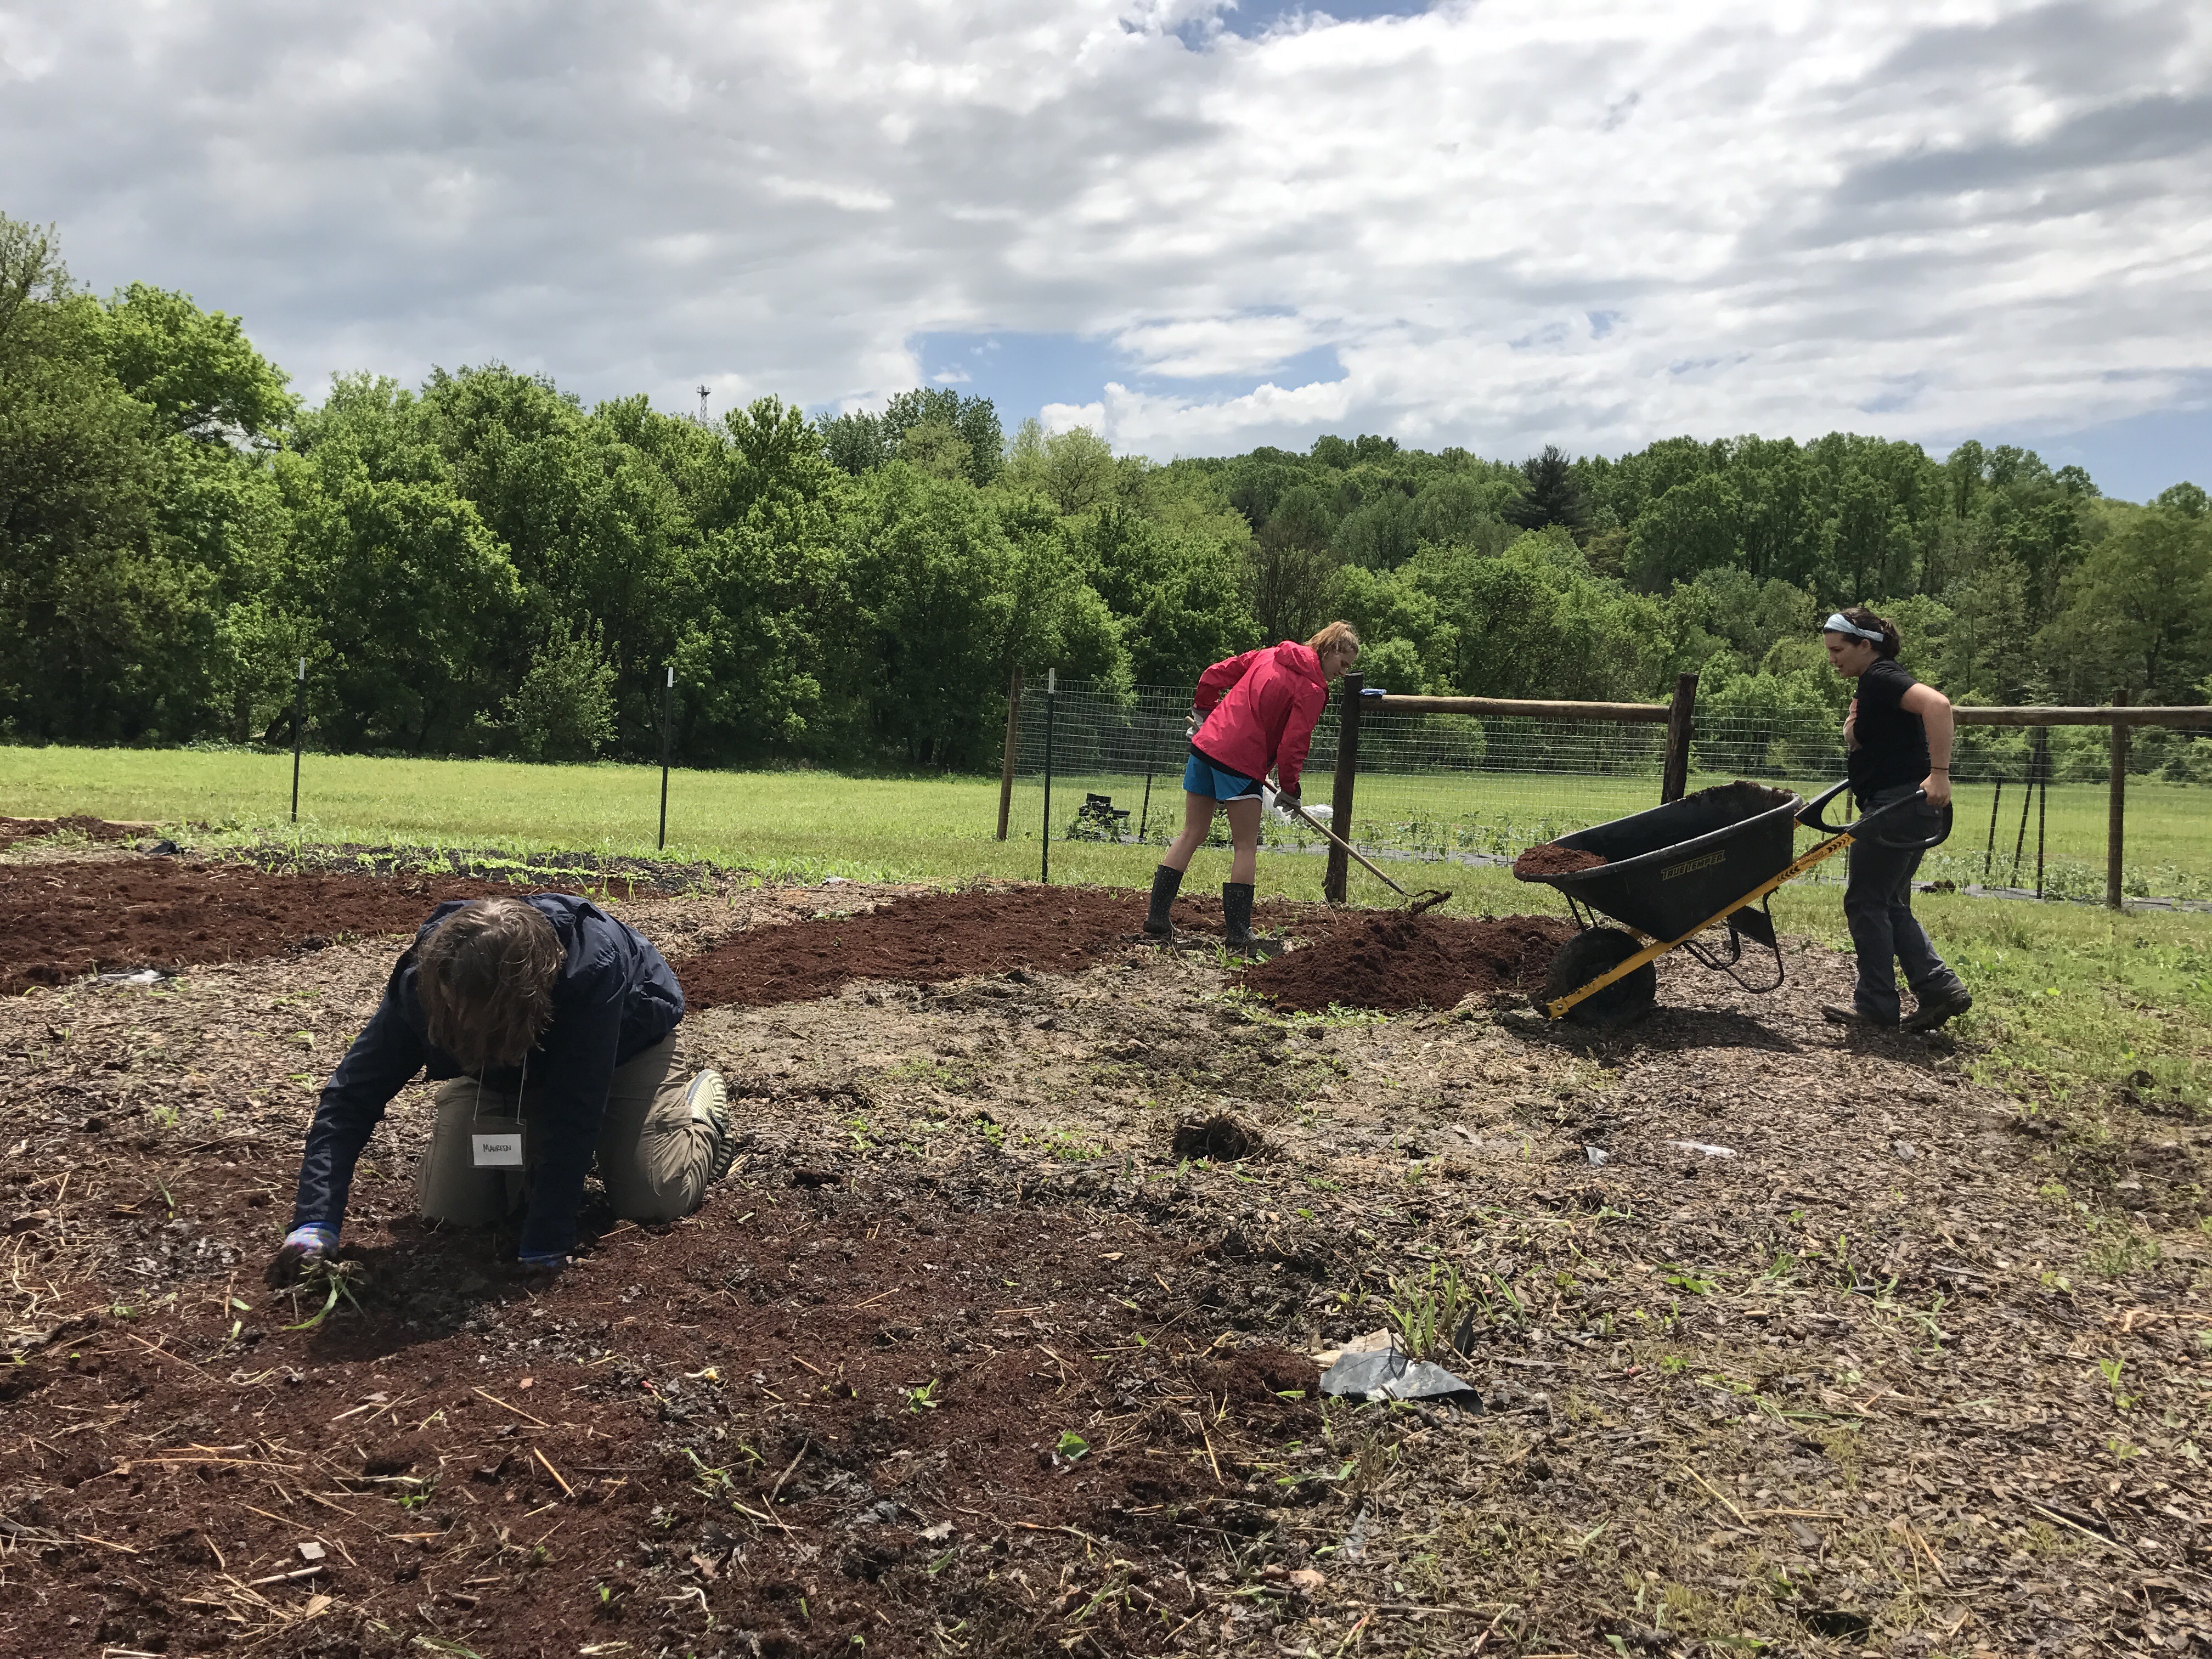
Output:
x=1394 y=962
x=1226 y=1138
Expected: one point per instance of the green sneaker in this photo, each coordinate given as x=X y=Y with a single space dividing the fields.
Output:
x=708 y=1097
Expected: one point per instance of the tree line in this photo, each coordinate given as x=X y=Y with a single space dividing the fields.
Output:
x=484 y=565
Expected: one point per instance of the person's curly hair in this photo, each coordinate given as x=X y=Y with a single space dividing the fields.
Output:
x=485 y=977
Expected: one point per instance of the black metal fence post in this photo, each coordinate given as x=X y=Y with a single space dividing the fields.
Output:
x=2039 y=769
x=1152 y=758
x=1989 y=847
x=299 y=729
x=2117 y=818
x=1013 y=752
x=1347 y=774
x=667 y=712
x=1051 y=705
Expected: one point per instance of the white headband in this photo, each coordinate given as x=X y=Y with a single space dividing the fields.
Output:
x=1839 y=624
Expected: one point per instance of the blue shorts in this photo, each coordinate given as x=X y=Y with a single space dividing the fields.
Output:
x=1202 y=777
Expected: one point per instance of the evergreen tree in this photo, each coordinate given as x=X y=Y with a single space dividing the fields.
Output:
x=1550 y=494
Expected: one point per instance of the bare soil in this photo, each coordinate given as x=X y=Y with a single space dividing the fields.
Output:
x=1827 y=1350
x=14 y=831
x=64 y=921
x=1397 y=962
x=930 y=937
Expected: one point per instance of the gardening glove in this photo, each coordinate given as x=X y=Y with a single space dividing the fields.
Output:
x=1190 y=726
x=1288 y=800
x=302 y=1249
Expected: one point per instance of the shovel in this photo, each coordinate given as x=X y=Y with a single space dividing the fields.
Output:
x=1427 y=899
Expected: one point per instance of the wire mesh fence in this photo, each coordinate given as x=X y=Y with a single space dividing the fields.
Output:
x=1483 y=790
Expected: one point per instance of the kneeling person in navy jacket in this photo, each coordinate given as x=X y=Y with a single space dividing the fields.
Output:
x=552 y=1026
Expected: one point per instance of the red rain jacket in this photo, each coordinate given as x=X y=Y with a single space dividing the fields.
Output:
x=1259 y=711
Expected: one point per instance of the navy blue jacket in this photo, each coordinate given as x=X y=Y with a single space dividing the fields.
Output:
x=614 y=998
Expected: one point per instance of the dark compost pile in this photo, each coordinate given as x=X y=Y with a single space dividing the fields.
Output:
x=1541 y=863
x=1393 y=961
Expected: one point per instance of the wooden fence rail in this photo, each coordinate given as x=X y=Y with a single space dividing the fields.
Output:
x=1678 y=717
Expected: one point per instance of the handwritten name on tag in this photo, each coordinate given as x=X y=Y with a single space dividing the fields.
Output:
x=499 y=1151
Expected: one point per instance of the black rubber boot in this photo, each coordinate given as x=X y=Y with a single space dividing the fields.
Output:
x=1236 y=914
x=1166 y=884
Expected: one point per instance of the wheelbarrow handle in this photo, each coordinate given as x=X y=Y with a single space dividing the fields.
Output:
x=1812 y=815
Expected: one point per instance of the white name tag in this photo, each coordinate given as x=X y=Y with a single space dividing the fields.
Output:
x=500 y=1151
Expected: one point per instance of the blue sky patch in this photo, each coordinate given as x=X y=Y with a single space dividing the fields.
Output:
x=1022 y=372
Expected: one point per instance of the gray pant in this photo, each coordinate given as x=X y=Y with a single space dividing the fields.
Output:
x=1878 y=905
x=652 y=1154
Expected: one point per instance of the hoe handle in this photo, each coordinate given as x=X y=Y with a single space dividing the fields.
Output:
x=1340 y=841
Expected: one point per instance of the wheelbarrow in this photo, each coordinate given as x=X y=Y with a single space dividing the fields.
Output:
x=1673 y=872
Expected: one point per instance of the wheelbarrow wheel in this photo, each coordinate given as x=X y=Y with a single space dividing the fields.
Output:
x=1588 y=954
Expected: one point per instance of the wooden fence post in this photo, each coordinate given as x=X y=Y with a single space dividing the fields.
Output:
x=1675 y=778
x=1013 y=744
x=2115 y=827
x=1347 y=773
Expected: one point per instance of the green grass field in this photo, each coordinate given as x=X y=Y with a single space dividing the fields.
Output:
x=2167 y=852
x=2073 y=997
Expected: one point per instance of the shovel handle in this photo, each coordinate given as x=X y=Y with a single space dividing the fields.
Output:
x=1339 y=840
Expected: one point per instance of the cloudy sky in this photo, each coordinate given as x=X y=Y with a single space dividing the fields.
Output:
x=1496 y=223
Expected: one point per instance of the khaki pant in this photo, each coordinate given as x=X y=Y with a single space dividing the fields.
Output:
x=653 y=1155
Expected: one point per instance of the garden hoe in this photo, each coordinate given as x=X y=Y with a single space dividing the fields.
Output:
x=1428 y=899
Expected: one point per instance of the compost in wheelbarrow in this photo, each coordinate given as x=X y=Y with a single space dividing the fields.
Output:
x=1668 y=869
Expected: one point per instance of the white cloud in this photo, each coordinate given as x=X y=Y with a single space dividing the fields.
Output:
x=1057 y=418
x=1514 y=222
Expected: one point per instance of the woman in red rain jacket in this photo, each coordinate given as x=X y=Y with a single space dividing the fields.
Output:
x=1251 y=712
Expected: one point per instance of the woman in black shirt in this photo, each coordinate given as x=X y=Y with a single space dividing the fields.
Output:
x=1899 y=735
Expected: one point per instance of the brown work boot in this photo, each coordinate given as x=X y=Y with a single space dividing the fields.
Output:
x=1942 y=1005
x=1837 y=1014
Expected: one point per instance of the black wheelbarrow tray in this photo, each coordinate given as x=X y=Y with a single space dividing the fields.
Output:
x=1673 y=872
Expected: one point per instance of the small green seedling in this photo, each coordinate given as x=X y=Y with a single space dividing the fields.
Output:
x=2122 y=1400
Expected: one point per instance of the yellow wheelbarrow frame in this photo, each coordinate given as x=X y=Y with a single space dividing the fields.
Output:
x=1810 y=818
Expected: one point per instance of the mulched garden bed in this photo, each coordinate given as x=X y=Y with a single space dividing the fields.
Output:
x=1786 y=1337
x=930 y=937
